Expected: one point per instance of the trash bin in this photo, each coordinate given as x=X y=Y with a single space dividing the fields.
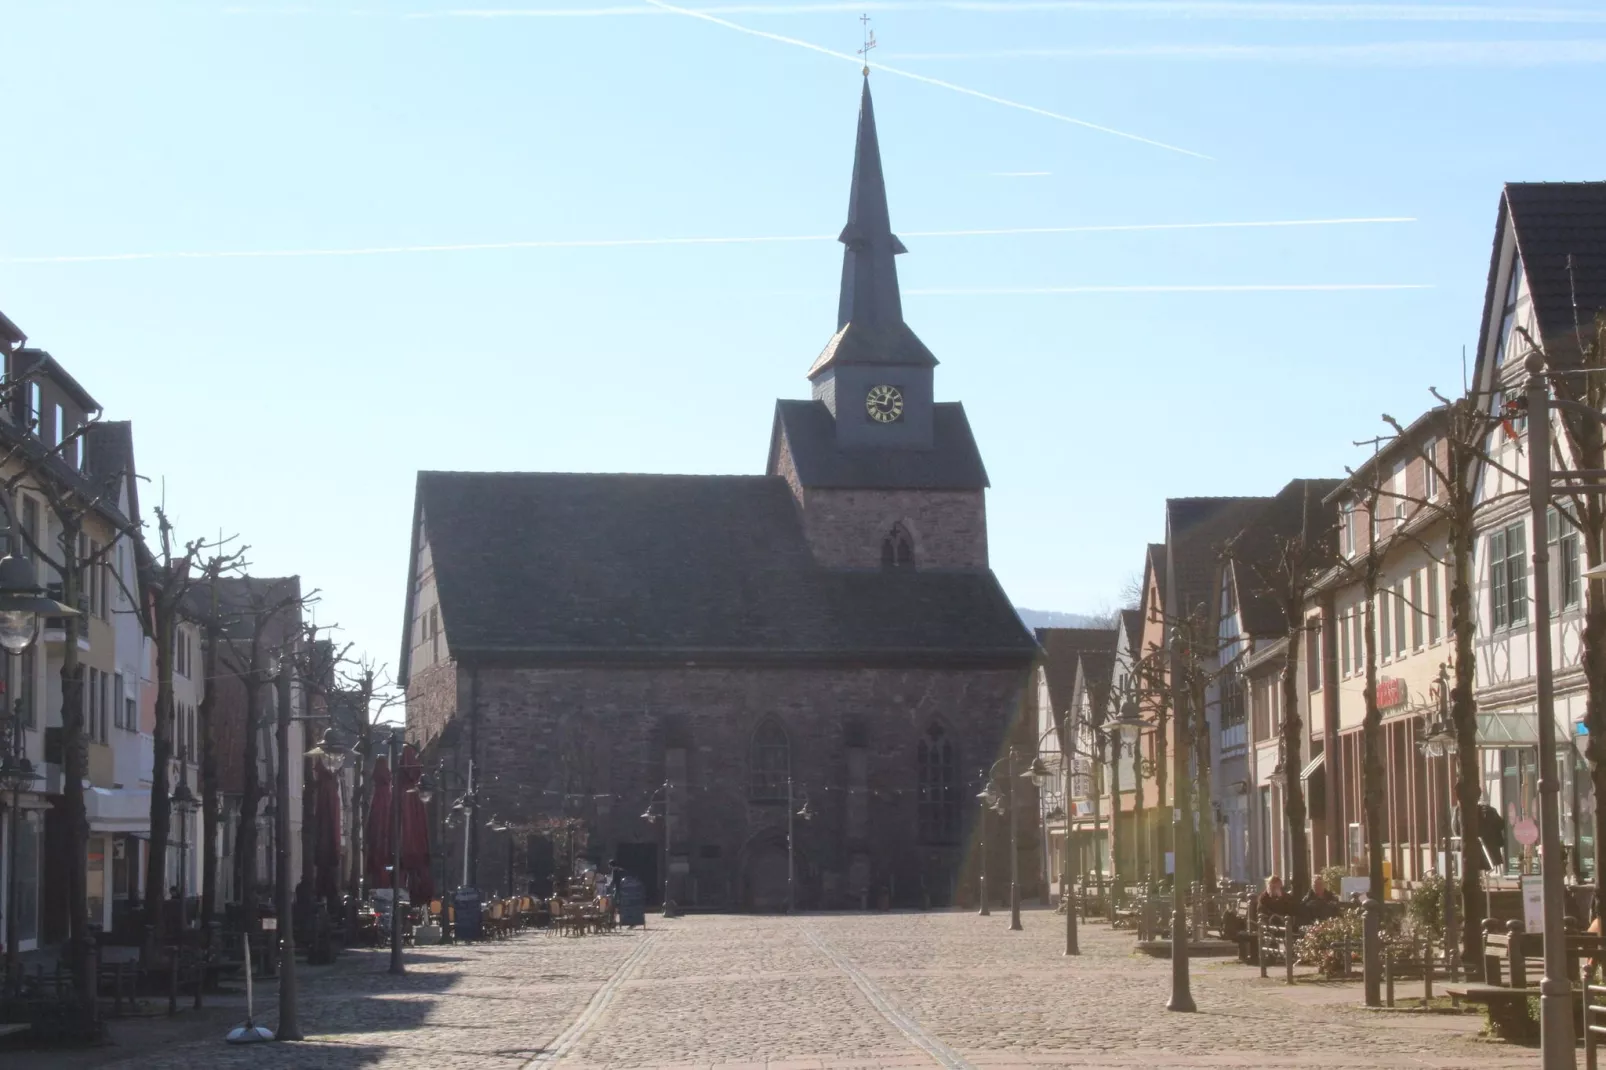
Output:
x=466 y=907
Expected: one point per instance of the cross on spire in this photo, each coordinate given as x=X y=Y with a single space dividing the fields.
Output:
x=869 y=43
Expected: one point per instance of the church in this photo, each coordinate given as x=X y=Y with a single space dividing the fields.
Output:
x=688 y=674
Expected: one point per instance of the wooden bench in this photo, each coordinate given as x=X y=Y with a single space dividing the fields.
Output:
x=1523 y=952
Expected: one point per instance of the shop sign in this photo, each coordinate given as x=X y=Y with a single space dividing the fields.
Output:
x=1390 y=693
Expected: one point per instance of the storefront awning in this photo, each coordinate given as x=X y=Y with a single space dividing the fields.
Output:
x=118 y=810
x=1313 y=766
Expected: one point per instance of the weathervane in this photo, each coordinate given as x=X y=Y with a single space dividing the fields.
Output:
x=869 y=42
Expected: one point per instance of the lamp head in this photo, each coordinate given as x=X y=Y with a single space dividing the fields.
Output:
x=331 y=752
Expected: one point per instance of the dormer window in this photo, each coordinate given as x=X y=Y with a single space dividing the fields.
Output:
x=898 y=549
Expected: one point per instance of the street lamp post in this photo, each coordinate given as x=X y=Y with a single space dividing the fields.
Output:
x=1555 y=990
x=999 y=803
x=289 y=1013
x=22 y=603
x=791 y=870
x=1439 y=741
x=183 y=804
x=651 y=816
x=986 y=798
x=396 y=964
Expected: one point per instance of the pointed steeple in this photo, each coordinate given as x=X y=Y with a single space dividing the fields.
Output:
x=869 y=319
x=869 y=273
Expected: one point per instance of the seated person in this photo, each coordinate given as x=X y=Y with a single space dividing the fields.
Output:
x=1274 y=902
x=1320 y=902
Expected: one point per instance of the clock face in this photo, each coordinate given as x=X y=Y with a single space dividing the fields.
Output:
x=884 y=404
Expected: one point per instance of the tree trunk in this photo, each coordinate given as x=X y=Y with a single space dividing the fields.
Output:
x=1292 y=758
x=1162 y=771
x=1141 y=847
x=75 y=758
x=1204 y=825
x=209 y=799
x=1464 y=715
x=1372 y=760
x=250 y=795
x=162 y=747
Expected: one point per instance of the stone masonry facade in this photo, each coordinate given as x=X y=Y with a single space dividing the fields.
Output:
x=600 y=744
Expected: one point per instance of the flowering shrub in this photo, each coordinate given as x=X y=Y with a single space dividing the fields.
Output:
x=1322 y=944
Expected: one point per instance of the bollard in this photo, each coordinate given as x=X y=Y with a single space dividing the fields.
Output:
x=1427 y=970
x=1372 y=951
x=1388 y=977
x=1260 y=942
x=1288 y=950
x=172 y=985
x=1517 y=963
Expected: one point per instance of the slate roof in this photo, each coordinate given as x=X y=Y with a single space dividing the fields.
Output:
x=1132 y=621
x=870 y=326
x=1062 y=647
x=29 y=359
x=952 y=463
x=1197 y=532
x=10 y=334
x=564 y=567
x=1301 y=505
x=1553 y=221
x=1094 y=670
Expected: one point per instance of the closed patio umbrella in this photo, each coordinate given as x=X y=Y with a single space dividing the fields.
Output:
x=326 y=845
x=415 y=830
x=377 y=832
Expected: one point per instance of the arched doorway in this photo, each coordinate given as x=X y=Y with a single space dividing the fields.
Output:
x=764 y=872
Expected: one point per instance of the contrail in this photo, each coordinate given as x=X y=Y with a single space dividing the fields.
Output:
x=616 y=243
x=1202 y=288
x=795 y=42
x=1378 y=53
x=1242 y=10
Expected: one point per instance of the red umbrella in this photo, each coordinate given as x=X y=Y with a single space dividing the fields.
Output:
x=378 y=829
x=326 y=848
x=415 y=830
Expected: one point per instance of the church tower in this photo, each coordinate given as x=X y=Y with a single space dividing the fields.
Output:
x=885 y=476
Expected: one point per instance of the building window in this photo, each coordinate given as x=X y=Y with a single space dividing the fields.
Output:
x=1385 y=642
x=938 y=790
x=91 y=728
x=25 y=687
x=1313 y=652
x=1418 y=611
x=1430 y=479
x=770 y=763
x=59 y=432
x=1357 y=622
x=1433 y=603
x=117 y=702
x=1346 y=527
x=897 y=549
x=1399 y=619
x=1343 y=645
x=1566 y=578
x=435 y=633
x=105 y=702
x=1508 y=576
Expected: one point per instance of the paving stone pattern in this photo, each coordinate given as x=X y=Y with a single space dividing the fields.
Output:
x=819 y=991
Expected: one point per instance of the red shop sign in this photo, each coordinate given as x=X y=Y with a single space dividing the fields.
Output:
x=1390 y=693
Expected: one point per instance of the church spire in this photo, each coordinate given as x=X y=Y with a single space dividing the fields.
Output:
x=869 y=275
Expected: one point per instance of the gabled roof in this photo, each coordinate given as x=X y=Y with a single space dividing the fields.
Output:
x=1426 y=426
x=1302 y=505
x=109 y=463
x=42 y=364
x=11 y=335
x=1062 y=648
x=561 y=567
x=1132 y=623
x=1197 y=531
x=1094 y=669
x=952 y=463
x=1560 y=230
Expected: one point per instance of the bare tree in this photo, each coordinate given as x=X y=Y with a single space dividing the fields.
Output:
x=170 y=575
x=255 y=623
x=1285 y=567
x=1580 y=387
x=1452 y=440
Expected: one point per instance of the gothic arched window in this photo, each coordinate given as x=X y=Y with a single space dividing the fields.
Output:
x=769 y=763
x=898 y=549
x=938 y=790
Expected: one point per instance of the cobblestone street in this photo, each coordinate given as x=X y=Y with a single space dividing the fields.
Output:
x=880 y=990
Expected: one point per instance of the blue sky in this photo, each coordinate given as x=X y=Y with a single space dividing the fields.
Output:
x=291 y=398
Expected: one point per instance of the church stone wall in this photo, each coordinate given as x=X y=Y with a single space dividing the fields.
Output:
x=599 y=742
x=845 y=528
x=431 y=701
